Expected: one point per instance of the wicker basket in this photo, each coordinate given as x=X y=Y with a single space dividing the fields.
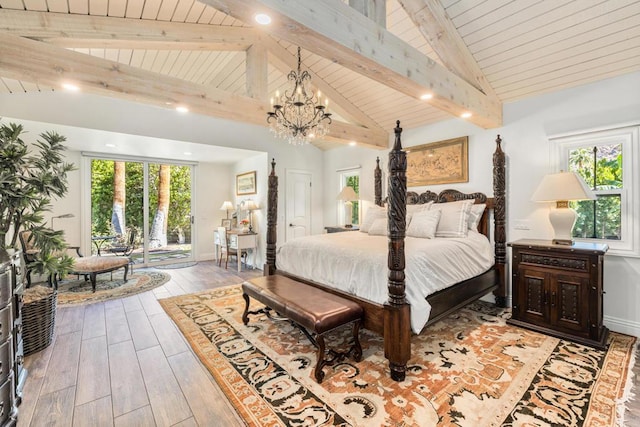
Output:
x=38 y=318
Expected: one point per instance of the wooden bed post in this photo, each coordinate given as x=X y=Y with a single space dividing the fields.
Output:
x=377 y=174
x=397 y=321
x=272 y=221
x=499 y=218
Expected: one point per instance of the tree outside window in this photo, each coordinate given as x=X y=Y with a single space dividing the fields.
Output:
x=601 y=168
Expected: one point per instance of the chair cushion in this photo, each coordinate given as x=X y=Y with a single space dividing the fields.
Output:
x=97 y=264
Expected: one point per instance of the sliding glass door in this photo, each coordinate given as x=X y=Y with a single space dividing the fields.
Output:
x=142 y=210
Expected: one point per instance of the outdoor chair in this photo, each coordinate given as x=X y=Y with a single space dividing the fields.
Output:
x=126 y=247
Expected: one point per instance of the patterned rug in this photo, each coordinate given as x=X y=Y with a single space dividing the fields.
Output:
x=471 y=369
x=72 y=291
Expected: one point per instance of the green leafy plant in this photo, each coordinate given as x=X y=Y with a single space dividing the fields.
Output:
x=28 y=183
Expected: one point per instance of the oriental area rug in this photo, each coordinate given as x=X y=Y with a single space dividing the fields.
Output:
x=471 y=369
x=74 y=291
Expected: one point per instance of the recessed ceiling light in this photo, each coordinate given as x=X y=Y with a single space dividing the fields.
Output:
x=262 y=19
x=426 y=96
x=110 y=145
x=182 y=109
x=465 y=115
x=352 y=143
x=187 y=153
x=70 y=87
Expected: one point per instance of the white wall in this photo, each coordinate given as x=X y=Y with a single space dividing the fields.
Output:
x=527 y=125
x=113 y=115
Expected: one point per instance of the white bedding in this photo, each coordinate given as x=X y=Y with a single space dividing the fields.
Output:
x=356 y=262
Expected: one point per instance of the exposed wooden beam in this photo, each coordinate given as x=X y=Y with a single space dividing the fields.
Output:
x=285 y=62
x=335 y=31
x=375 y=10
x=257 y=70
x=434 y=24
x=81 y=31
x=38 y=62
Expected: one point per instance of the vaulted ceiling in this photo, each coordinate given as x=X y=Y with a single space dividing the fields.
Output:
x=373 y=59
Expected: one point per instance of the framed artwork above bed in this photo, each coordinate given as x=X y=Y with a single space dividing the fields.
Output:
x=443 y=162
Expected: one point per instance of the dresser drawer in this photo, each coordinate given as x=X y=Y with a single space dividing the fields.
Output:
x=6 y=400
x=6 y=322
x=6 y=359
x=5 y=288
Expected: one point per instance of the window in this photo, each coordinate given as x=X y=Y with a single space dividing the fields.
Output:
x=604 y=159
x=350 y=178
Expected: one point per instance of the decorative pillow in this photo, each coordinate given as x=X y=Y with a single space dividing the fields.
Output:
x=373 y=213
x=424 y=224
x=379 y=227
x=475 y=215
x=454 y=221
x=414 y=209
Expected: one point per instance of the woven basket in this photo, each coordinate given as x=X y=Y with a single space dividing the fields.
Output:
x=38 y=318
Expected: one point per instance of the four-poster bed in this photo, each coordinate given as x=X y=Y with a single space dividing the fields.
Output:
x=392 y=319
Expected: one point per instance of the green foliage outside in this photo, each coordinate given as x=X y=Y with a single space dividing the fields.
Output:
x=102 y=190
x=353 y=181
x=602 y=218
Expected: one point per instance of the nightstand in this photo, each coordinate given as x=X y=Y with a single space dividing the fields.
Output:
x=558 y=290
x=340 y=229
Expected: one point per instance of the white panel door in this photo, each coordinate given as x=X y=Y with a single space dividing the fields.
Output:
x=298 y=204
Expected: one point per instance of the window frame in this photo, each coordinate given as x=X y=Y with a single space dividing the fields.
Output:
x=626 y=135
x=344 y=175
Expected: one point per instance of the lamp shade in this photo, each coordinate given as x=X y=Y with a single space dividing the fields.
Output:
x=347 y=194
x=562 y=186
x=250 y=205
x=226 y=206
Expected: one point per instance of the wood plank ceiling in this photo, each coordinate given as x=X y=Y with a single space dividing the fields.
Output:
x=470 y=55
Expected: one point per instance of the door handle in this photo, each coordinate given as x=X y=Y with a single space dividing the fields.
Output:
x=291 y=225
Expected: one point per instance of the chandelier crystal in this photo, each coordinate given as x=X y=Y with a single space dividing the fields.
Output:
x=299 y=115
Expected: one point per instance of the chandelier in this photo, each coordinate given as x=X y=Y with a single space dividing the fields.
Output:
x=299 y=115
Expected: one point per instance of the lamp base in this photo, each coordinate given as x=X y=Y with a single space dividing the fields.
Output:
x=562 y=220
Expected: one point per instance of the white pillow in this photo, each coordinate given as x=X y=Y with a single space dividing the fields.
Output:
x=424 y=224
x=373 y=213
x=454 y=221
x=379 y=227
x=475 y=215
x=414 y=209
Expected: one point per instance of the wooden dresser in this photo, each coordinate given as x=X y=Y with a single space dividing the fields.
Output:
x=558 y=290
x=12 y=372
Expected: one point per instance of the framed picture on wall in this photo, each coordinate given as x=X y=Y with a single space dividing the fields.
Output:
x=246 y=183
x=226 y=223
x=444 y=162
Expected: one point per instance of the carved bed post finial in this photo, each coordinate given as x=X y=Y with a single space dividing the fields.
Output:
x=272 y=221
x=397 y=334
x=377 y=174
x=499 y=217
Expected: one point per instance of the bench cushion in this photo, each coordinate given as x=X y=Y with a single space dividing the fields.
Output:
x=98 y=264
x=306 y=305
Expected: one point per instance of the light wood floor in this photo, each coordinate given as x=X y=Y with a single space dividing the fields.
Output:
x=124 y=363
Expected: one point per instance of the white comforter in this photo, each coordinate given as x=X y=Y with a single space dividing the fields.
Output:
x=356 y=262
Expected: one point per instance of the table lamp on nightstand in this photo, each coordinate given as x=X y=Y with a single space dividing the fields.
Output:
x=561 y=188
x=347 y=195
x=251 y=206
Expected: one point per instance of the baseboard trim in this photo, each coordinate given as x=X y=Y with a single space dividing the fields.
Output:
x=622 y=326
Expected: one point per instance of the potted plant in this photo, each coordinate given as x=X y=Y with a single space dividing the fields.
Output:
x=28 y=182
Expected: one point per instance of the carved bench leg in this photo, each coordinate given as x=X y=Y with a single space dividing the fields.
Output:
x=319 y=339
x=356 y=349
x=245 y=315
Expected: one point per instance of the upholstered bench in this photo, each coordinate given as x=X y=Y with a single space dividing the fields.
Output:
x=91 y=266
x=310 y=308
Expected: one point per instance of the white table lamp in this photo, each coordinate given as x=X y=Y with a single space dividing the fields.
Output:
x=226 y=206
x=561 y=188
x=347 y=195
x=251 y=206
